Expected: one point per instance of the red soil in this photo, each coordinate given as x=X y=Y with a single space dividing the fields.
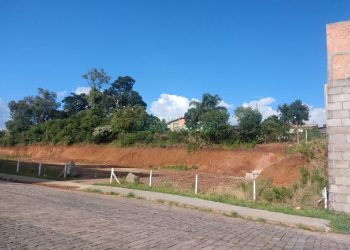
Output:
x=271 y=158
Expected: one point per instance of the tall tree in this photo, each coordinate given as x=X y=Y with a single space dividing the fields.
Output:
x=32 y=110
x=75 y=103
x=129 y=119
x=121 y=93
x=295 y=113
x=248 y=123
x=45 y=106
x=198 y=112
x=273 y=129
x=96 y=78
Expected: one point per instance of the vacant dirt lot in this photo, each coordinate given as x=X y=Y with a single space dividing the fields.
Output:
x=211 y=163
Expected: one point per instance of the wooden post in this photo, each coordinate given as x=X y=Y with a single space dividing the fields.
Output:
x=17 y=170
x=196 y=185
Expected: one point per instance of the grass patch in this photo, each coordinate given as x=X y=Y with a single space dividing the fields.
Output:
x=179 y=167
x=94 y=190
x=301 y=226
x=113 y=193
x=231 y=214
x=130 y=195
x=261 y=220
x=339 y=222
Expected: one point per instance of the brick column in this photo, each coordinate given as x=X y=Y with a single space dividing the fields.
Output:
x=338 y=114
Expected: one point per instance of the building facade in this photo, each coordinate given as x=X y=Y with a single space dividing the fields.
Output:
x=337 y=95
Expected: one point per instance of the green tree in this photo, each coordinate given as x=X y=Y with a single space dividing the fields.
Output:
x=45 y=106
x=96 y=78
x=248 y=123
x=294 y=113
x=198 y=115
x=32 y=110
x=129 y=119
x=273 y=129
x=75 y=103
x=121 y=94
x=213 y=123
x=154 y=124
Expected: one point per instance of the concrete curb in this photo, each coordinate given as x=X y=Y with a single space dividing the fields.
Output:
x=245 y=212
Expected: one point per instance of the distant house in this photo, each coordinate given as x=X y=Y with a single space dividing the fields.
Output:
x=177 y=124
x=323 y=129
x=309 y=127
x=300 y=129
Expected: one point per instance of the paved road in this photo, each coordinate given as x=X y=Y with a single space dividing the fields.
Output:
x=34 y=217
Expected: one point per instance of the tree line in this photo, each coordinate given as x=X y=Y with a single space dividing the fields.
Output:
x=113 y=112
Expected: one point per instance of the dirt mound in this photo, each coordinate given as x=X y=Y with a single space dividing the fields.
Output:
x=271 y=158
x=286 y=171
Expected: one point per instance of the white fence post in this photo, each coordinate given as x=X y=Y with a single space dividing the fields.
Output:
x=17 y=170
x=306 y=135
x=150 y=178
x=113 y=176
x=325 y=197
x=254 y=190
x=65 y=171
x=110 y=179
x=39 y=171
x=196 y=185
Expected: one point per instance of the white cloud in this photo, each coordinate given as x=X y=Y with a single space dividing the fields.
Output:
x=263 y=105
x=233 y=120
x=170 y=107
x=61 y=94
x=82 y=90
x=225 y=105
x=4 y=114
x=317 y=116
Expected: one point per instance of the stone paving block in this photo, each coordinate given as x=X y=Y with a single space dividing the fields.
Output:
x=75 y=220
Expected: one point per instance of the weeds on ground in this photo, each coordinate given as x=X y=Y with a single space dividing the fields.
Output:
x=305 y=193
x=179 y=167
x=261 y=220
x=340 y=222
x=231 y=214
x=130 y=195
x=94 y=190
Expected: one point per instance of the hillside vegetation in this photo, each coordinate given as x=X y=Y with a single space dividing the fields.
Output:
x=113 y=112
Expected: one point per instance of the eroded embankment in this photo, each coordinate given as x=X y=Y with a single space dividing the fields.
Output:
x=271 y=159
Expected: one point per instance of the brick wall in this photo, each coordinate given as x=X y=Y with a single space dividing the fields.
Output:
x=338 y=114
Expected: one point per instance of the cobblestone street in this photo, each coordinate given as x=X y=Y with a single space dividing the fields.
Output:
x=35 y=217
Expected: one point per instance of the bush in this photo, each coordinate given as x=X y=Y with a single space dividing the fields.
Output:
x=304 y=176
x=103 y=134
x=277 y=194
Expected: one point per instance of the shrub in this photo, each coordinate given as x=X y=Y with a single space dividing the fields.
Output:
x=304 y=175
x=277 y=194
x=103 y=134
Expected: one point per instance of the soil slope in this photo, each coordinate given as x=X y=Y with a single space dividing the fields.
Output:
x=271 y=158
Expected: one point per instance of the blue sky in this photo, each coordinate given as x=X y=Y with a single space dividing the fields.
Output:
x=271 y=51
